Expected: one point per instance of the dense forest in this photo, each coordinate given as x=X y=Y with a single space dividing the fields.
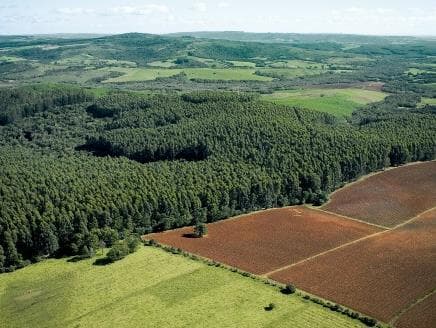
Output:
x=78 y=167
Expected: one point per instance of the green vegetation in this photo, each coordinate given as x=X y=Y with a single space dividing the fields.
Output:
x=200 y=229
x=139 y=74
x=150 y=288
x=339 y=102
x=427 y=101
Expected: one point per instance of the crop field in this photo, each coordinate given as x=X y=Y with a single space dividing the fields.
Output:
x=388 y=198
x=144 y=74
x=422 y=315
x=339 y=102
x=380 y=275
x=267 y=240
x=150 y=288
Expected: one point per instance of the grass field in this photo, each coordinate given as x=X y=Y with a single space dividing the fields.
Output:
x=339 y=102
x=150 y=288
x=427 y=101
x=143 y=74
x=242 y=63
x=9 y=59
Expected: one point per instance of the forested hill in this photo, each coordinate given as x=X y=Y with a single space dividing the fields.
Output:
x=78 y=167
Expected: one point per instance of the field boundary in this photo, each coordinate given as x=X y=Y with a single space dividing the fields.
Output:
x=324 y=253
x=348 y=217
x=349 y=243
x=410 y=306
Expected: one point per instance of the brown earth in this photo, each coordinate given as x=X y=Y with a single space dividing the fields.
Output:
x=264 y=241
x=388 y=198
x=378 y=276
x=422 y=315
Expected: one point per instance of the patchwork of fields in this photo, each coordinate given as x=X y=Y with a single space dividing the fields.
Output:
x=381 y=265
x=261 y=242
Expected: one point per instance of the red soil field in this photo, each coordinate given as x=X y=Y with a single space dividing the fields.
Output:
x=263 y=241
x=388 y=198
x=422 y=315
x=378 y=276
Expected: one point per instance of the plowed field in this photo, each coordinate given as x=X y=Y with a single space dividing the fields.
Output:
x=264 y=241
x=422 y=315
x=380 y=275
x=388 y=198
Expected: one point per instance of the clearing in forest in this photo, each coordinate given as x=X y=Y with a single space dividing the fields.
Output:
x=339 y=102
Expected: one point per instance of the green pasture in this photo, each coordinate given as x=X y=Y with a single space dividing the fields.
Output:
x=150 y=288
x=339 y=102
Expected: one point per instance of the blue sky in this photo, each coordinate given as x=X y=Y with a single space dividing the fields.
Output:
x=114 y=16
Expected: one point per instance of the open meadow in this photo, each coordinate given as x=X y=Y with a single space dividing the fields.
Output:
x=150 y=288
x=339 y=102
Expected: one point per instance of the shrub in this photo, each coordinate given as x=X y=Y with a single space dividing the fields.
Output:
x=370 y=322
x=118 y=251
x=200 y=229
x=289 y=289
x=270 y=307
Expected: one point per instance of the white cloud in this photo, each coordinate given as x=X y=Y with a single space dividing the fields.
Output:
x=74 y=11
x=140 y=10
x=223 y=5
x=200 y=7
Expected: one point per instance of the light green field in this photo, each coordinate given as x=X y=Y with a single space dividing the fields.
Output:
x=415 y=71
x=150 y=288
x=241 y=63
x=339 y=102
x=236 y=74
x=164 y=64
x=427 y=101
x=143 y=74
x=295 y=64
x=9 y=59
x=292 y=72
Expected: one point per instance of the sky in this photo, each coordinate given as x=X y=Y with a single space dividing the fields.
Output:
x=382 y=17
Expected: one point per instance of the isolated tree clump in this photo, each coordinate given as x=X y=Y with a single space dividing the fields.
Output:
x=123 y=248
x=200 y=229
